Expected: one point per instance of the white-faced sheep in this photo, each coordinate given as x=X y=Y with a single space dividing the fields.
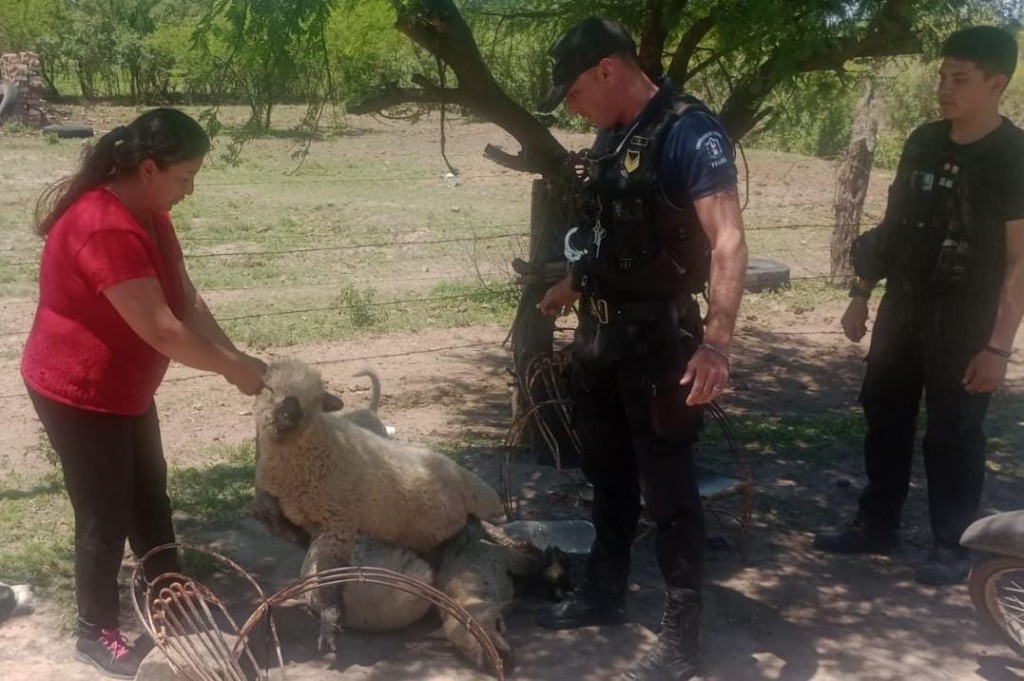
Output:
x=338 y=481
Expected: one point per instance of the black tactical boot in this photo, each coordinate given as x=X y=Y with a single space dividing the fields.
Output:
x=674 y=657
x=601 y=599
x=593 y=604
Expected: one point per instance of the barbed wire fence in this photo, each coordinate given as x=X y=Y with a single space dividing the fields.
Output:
x=762 y=218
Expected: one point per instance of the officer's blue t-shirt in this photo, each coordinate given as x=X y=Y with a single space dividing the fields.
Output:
x=697 y=159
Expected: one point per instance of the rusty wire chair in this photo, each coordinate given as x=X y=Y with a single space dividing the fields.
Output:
x=180 y=614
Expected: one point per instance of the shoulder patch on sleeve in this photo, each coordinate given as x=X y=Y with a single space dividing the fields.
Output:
x=710 y=147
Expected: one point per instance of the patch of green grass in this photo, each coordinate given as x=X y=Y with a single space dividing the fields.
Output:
x=36 y=545
x=790 y=434
x=217 y=493
x=43 y=448
x=802 y=295
x=37 y=527
x=354 y=312
x=24 y=271
x=463 y=448
x=362 y=311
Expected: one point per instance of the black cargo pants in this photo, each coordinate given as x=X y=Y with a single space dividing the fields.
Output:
x=637 y=436
x=924 y=344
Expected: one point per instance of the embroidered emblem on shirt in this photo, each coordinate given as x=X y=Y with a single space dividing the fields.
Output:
x=712 y=146
x=632 y=160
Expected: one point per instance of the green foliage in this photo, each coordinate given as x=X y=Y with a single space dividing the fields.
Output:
x=815 y=114
x=812 y=117
x=23 y=22
x=361 y=66
x=324 y=52
x=362 y=311
x=275 y=50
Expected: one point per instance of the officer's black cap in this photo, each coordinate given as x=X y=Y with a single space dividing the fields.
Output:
x=580 y=49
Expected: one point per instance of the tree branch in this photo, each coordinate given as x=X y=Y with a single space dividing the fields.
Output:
x=653 y=32
x=890 y=33
x=437 y=26
x=679 y=68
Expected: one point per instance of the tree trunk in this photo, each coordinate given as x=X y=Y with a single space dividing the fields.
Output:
x=533 y=333
x=852 y=187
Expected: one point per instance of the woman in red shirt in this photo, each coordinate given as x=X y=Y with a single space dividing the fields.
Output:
x=115 y=306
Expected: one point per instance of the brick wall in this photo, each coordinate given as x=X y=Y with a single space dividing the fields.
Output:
x=25 y=71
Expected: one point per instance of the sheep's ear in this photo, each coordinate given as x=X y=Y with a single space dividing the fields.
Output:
x=332 y=402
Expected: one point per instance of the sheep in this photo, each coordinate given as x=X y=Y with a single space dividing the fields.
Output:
x=268 y=510
x=371 y=607
x=483 y=570
x=480 y=568
x=337 y=481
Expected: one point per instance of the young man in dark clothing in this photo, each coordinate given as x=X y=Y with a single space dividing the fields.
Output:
x=951 y=248
x=660 y=213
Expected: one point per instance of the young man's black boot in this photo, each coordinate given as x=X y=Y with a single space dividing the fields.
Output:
x=859 y=537
x=674 y=657
x=944 y=567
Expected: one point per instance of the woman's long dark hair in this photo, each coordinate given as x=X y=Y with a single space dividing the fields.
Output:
x=167 y=136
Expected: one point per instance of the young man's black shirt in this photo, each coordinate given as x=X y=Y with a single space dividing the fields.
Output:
x=948 y=207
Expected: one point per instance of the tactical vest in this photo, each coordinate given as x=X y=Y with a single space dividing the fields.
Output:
x=639 y=244
x=945 y=238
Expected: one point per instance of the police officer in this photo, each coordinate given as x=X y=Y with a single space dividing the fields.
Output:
x=951 y=249
x=658 y=214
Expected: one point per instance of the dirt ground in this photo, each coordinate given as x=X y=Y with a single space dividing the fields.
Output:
x=786 y=612
x=782 y=612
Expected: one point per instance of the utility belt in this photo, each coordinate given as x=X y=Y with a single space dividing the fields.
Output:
x=631 y=311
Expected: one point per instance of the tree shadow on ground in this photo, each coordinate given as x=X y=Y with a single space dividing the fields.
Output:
x=790 y=612
x=784 y=612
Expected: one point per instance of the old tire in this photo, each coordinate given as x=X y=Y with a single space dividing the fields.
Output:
x=766 y=275
x=8 y=99
x=69 y=130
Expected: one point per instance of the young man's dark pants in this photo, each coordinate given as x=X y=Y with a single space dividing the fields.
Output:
x=636 y=434
x=924 y=344
x=116 y=477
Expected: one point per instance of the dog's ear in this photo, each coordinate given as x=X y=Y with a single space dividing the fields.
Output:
x=332 y=402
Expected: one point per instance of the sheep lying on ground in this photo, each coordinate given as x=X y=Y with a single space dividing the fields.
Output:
x=480 y=568
x=483 y=570
x=371 y=607
x=336 y=480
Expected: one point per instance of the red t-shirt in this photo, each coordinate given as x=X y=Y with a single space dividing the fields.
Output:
x=80 y=350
